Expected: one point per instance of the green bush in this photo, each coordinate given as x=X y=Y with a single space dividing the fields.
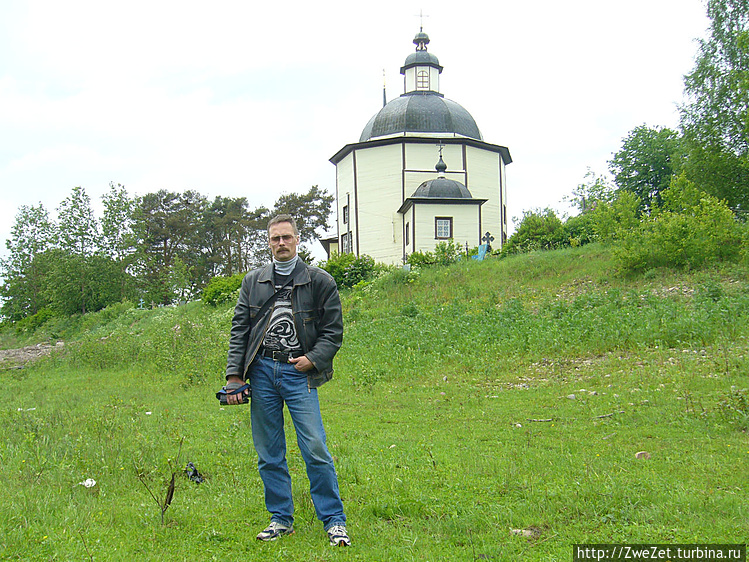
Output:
x=337 y=265
x=610 y=220
x=691 y=230
x=222 y=289
x=421 y=259
x=348 y=269
x=538 y=230
x=35 y=321
x=445 y=253
x=361 y=269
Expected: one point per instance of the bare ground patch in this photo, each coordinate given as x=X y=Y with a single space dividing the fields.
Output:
x=14 y=358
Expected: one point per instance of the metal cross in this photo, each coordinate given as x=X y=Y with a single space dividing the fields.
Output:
x=488 y=239
x=421 y=20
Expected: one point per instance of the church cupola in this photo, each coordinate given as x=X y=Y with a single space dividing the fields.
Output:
x=441 y=167
x=421 y=108
x=422 y=69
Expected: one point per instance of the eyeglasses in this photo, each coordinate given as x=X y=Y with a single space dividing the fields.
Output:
x=287 y=238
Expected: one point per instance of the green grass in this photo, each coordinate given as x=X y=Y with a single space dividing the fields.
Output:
x=451 y=418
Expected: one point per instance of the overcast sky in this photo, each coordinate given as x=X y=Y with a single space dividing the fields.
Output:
x=247 y=98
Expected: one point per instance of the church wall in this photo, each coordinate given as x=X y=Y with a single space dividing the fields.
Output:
x=483 y=183
x=386 y=174
x=421 y=159
x=503 y=202
x=345 y=196
x=424 y=157
x=380 y=187
x=465 y=225
x=408 y=222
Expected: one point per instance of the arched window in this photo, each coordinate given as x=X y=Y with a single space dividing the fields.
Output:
x=422 y=80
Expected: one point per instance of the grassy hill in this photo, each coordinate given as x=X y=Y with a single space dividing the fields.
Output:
x=496 y=410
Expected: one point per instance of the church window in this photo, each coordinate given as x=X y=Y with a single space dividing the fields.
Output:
x=346 y=243
x=443 y=228
x=408 y=233
x=422 y=80
x=345 y=214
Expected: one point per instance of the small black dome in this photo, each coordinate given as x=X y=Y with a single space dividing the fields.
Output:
x=442 y=188
x=421 y=58
x=419 y=112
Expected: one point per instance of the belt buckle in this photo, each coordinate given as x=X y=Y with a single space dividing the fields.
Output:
x=281 y=356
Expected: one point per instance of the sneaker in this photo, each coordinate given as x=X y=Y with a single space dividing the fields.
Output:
x=274 y=531
x=338 y=536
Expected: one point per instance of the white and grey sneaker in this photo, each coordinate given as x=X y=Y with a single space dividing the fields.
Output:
x=338 y=536
x=274 y=531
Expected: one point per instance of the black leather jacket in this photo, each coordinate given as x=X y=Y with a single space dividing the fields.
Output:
x=316 y=306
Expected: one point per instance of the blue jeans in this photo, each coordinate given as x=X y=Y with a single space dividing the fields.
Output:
x=274 y=384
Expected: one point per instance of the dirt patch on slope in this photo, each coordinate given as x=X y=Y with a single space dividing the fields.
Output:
x=14 y=358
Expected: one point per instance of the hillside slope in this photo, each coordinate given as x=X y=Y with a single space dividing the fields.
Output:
x=502 y=410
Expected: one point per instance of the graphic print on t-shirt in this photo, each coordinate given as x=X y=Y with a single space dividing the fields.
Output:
x=281 y=334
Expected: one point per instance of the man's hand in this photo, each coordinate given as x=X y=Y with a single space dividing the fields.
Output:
x=301 y=364
x=235 y=399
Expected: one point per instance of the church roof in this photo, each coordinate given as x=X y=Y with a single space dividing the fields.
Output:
x=421 y=58
x=443 y=188
x=421 y=108
x=421 y=112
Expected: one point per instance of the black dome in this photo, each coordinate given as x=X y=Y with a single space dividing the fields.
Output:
x=421 y=58
x=442 y=188
x=418 y=112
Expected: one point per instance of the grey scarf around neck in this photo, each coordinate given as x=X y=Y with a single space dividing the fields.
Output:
x=285 y=267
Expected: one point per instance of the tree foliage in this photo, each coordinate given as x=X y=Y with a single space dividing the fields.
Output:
x=161 y=247
x=169 y=231
x=591 y=191
x=117 y=238
x=228 y=222
x=77 y=225
x=24 y=279
x=77 y=284
x=715 y=116
x=311 y=211
x=539 y=229
x=645 y=163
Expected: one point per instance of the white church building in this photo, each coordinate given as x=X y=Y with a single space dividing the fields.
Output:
x=420 y=174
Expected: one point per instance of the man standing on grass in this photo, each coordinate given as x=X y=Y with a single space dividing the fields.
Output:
x=284 y=349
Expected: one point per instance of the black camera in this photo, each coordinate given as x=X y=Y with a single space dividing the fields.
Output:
x=234 y=388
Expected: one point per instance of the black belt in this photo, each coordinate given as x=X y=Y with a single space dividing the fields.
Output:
x=281 y=356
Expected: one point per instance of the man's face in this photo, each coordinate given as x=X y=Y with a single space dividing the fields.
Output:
x=282 y=241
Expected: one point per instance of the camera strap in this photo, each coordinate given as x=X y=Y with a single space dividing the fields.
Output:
x=267 y=304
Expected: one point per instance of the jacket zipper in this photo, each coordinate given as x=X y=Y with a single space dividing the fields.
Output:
x=298 y=333
x=265 y=329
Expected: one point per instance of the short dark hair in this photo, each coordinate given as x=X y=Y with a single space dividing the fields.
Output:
x=283 y=218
